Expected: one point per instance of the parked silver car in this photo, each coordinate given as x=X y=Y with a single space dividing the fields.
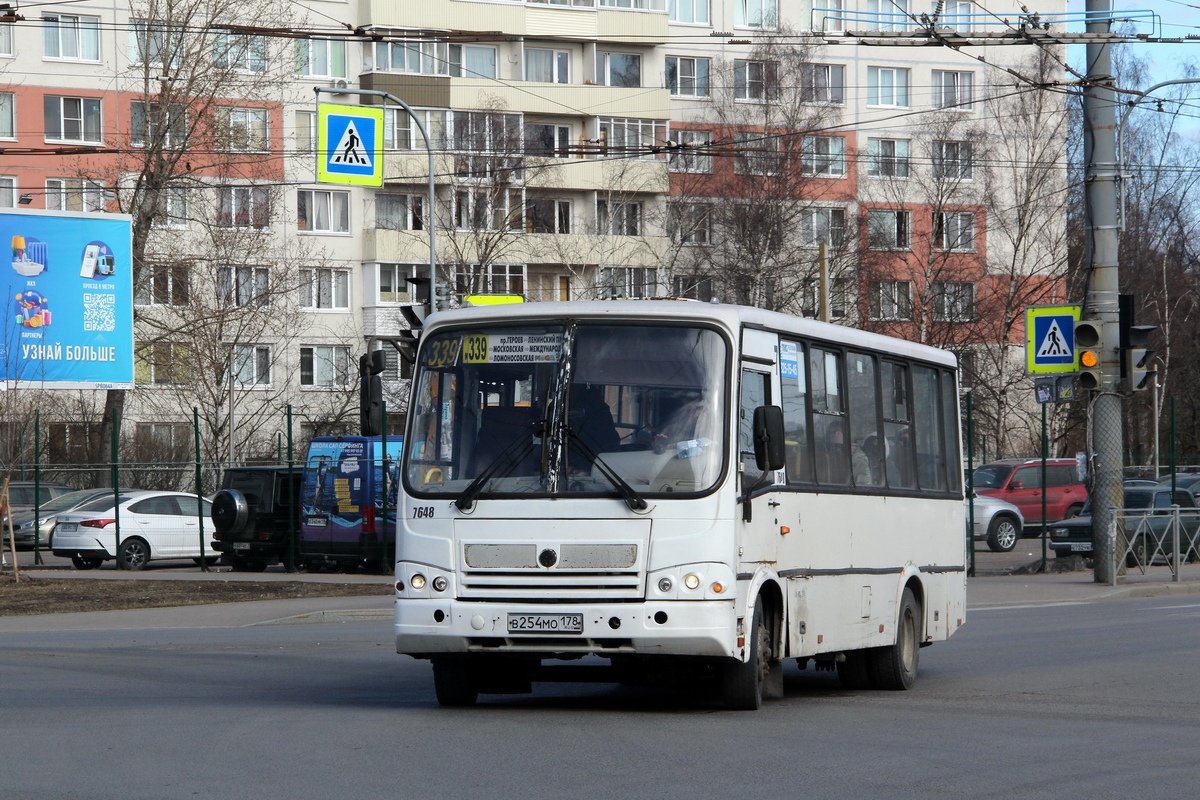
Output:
x=998 y=522
x=23 y=521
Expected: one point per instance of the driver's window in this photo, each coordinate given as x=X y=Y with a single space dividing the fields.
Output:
x=755 y=393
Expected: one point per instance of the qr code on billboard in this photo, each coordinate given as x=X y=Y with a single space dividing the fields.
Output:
x=99 y=312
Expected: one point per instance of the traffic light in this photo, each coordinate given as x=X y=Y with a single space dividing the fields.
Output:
x=370 y=392
x=415 y=315
x=1137 y=358
x=1089 y=344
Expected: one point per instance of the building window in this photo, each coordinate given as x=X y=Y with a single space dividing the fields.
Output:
x=757 y=153
x=150 y=124
x=823 y=83
x=887 y=158
x=692 y=153
x=324 y=288
x=754 y=14
x=691 y=223
x=243 y=207
x=618 y=218
x=643 y=5
x=326 y=366
x=174 y=207
x=622 y=282
x=839 y=297
x=8 y=112
x=6 y=40
x=399 y=132
x=755 y=81
x=688 y=12
x=887 y=87
x=889 y=230
x=491 y=279
x=244 y=285
x=619 y=69
x=687 y=77
x=393 y=281
x=827 y=15
x=823 y=226
x=954 y=230
x=8 y=191
x=472 y=61
x=890 y=300
x=73 y=119
x=321 y=58
x=952 y=160
x=423 y=58
x=161 y=363
x=693 y=287
x=165 y=440
x=823 y=156
x=548 y=215
x=73 y=194
x=953 y=301
x=322 y=211
x=239 y=52
x=71 y=38
x=957 y=15
x=952 y=89
x=632 y=138
x=162 y=285
x=547 y=66
x=400 y=212
x=487 y=144
x=150 y=41
x=547 y=140
x=252 y=365
x=887 y=15
x=485 y=210
x=241 y=129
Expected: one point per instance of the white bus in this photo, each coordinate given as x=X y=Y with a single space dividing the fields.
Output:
x=675 y=486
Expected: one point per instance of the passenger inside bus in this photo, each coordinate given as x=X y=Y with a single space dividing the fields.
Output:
x=591 y=421
x=506 y=435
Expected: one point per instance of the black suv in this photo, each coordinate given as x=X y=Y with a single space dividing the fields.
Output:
x=255 y=515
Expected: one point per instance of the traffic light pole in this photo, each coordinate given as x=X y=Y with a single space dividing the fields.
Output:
x=1102 y=304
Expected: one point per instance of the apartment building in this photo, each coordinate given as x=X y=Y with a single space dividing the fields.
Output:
x=582 y=149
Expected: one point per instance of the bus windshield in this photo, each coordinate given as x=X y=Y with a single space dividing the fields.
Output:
x=568 y=408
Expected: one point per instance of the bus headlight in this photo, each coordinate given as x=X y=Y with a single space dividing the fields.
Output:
x=417 y=581
x=439 y=584
x=691 y=580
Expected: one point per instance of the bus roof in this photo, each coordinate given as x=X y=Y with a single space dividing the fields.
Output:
x=732 y=317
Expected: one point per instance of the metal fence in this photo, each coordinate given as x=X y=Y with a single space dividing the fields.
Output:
x=1141 y=538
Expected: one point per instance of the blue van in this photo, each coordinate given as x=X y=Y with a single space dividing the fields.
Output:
x=348 y=502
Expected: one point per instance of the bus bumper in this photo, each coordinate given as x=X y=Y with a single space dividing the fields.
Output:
x=707 y=628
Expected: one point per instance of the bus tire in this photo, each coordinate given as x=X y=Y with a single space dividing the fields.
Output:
x=895 y=666
x=743 y=682
x=454 y=683
x=853 y=673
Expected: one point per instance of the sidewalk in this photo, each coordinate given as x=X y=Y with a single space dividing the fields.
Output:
x=998 y=591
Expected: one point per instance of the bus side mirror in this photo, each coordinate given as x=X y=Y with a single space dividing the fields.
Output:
x=769 y=445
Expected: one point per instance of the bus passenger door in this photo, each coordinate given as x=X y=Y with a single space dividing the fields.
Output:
x=758 y=386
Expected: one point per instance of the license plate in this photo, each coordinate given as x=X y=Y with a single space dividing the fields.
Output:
x=1081 y=547
x=68 y=527
x=241 y=545
x=545 y=623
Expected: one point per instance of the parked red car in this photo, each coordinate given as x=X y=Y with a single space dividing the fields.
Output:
x=1019 y=481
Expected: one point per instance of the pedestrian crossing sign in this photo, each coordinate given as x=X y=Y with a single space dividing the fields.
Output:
x=350 y=144
x=1050 y=339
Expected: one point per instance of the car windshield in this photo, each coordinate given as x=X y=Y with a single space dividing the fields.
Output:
x=568 y=408
x=65 y=502
x=991 y=476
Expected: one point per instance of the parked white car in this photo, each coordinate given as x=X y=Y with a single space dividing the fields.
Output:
x=154 y=525
x=998 y=522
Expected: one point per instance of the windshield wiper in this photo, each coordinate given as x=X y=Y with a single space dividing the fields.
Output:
x=508 y=459
x=632 y=499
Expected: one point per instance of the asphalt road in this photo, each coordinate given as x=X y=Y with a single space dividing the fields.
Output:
x=1060 y=701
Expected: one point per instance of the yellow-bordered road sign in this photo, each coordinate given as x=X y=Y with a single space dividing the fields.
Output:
x=1050 y=340
x=350 y=144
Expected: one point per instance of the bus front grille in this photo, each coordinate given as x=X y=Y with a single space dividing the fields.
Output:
x=551 y=585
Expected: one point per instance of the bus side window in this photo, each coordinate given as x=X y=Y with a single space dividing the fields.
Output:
x=755 y=393
x=794 y=389
x=931 y=465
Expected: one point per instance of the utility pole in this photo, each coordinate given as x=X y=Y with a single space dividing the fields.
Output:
x=1102 y=304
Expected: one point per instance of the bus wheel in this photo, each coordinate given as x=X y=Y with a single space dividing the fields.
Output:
x=895 y=666
x=454 y=683
x=742 y=687
x=852 y=673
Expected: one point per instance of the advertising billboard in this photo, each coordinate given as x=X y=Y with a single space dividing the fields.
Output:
x=68 y=294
